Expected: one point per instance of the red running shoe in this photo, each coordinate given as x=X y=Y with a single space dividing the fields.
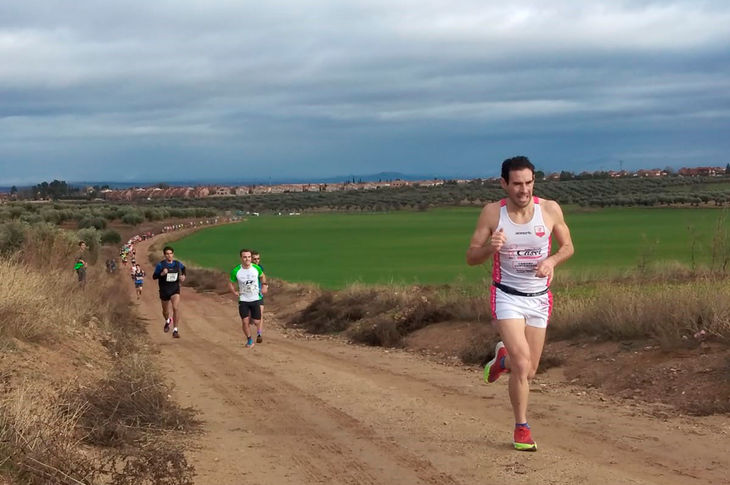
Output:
x=523 y=439
x=494 y=368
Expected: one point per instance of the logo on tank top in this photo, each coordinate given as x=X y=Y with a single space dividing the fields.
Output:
x=539 y=231
x=529 y=253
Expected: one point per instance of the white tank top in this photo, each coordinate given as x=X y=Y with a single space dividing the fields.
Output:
x=525 y=246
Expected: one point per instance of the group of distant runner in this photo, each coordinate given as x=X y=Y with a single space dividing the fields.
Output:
x=249 y=276
x=516 y=232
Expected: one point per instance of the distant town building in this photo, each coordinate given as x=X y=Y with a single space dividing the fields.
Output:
x=701 y=171
x=654 y=172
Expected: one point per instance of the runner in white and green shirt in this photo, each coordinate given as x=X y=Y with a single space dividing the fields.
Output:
x=251 y=286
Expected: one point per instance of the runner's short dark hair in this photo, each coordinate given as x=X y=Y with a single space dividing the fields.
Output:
x=82 y=242
x=167 y=248
x=255 y=253
x=516 y=163
x=244 y=250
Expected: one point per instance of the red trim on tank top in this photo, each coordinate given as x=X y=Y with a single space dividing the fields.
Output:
x=493 y=300
x=550 y=247
x=496 y=269
x=536 y=199
x=503 y=202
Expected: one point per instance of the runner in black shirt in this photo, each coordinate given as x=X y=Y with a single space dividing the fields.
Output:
x=169 y=272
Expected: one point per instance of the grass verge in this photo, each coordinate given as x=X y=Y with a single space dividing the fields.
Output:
x=82 y=399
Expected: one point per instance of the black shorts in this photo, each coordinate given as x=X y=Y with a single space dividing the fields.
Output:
x=252 y=308
x=166 y=295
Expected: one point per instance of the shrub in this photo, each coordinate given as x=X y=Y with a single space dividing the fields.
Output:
x=377 y=332
x=110 y=236
x=96 y=222
x=12 y=236
x=131 y=399
x=382 y=315
x=132 y=218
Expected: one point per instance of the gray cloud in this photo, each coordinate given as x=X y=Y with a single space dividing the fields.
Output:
x=150 y=90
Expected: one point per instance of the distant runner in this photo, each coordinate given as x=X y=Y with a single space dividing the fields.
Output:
x=138 y=278
x=517 y=232
x=170 y=272
x=251 y=286
x=256 y=259
x=80 y=266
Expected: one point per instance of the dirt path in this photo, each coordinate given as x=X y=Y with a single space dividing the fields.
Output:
x=294 y=410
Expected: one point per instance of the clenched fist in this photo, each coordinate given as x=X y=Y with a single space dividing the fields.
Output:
x=497 y=240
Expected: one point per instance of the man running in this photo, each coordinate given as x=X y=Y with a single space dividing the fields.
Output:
x=80 y=266
x=256 y=259
x=138 y=278
x=170 y=272
x=517 y=231
x=251 y=286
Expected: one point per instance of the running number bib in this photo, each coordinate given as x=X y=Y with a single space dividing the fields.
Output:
x=171 y=277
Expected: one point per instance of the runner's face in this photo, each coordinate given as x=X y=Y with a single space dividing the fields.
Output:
x=246 y=259
x=519 y=188
x=256 y=259
x=169 y=255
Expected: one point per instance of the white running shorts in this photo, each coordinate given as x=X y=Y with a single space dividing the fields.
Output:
x=535 y=310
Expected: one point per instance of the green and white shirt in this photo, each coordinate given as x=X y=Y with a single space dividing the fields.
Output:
x=248 y=282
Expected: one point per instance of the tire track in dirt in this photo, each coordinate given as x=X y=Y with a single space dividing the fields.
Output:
x=302 y=416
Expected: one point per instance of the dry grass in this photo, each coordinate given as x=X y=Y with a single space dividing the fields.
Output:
x=670 y=314
x=47 y=246
x=39 y=444
x=34 y=305
x=372 y=315
x=121 y=428
x=206 y=280
x=131 y=400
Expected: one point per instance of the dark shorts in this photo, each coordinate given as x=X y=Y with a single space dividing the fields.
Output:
x=166 y=295
x=81 y=272
x=261 y=301
x=138 y=284
x=252 y=308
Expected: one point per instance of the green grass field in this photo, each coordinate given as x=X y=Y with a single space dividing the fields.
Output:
x=429 y=247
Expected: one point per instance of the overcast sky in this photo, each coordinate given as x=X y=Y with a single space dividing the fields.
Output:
x=230 y=90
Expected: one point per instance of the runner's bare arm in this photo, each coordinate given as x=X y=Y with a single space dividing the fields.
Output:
x=264 y=284
x=231 y=288
x=484 y=243
x=562 y=237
